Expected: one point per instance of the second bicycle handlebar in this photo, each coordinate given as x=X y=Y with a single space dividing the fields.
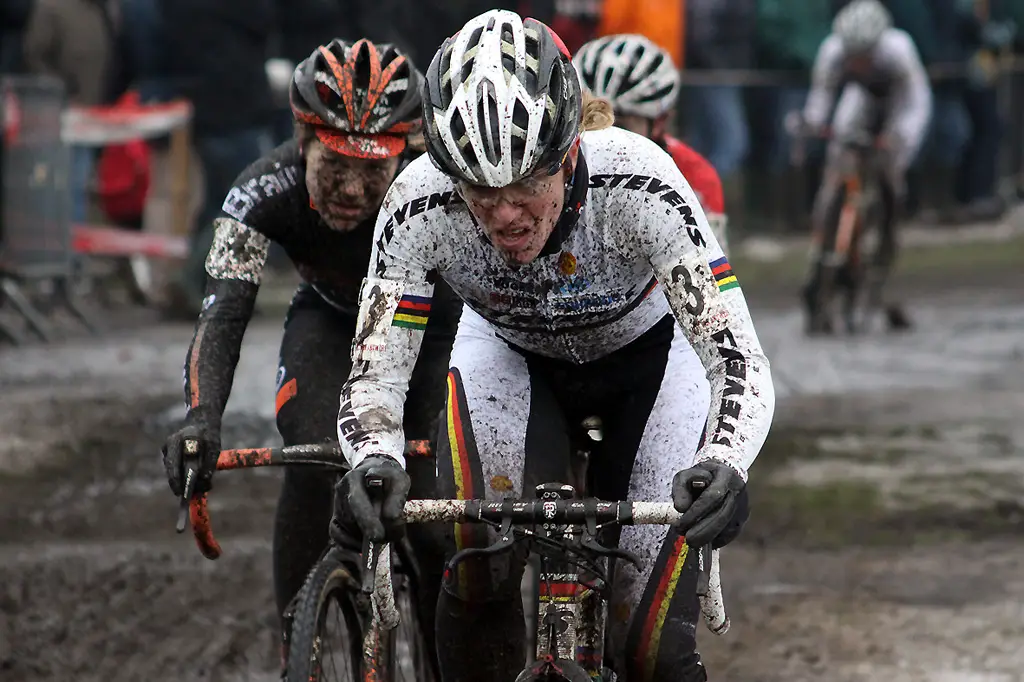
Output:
x=321 y=454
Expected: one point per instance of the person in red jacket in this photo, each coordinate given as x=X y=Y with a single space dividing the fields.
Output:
x=641 y=81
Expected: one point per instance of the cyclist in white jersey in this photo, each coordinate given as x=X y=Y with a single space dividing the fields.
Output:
x=884 y=91
x=592 y=284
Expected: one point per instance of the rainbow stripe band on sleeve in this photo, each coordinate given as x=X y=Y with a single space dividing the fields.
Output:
x=723 y=274
x=413 y=312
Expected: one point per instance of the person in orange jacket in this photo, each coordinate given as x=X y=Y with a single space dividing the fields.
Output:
x=641 y=81
x=577 y=21
x=661 y=21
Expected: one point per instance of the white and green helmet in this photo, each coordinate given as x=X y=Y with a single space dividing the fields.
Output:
x=860 y=24
x=501 y=99
x=633 y=73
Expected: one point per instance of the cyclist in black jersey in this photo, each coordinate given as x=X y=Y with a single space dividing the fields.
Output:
x=357 y=110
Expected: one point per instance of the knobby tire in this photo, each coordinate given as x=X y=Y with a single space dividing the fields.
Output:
x=330 y=584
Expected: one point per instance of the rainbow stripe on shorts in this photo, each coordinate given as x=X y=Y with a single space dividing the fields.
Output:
x=724 y=277
x=413 y=312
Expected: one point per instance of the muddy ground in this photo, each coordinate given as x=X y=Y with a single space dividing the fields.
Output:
x=887 y=541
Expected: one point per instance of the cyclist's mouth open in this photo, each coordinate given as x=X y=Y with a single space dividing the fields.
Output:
x=345 y=213
x=513 y=239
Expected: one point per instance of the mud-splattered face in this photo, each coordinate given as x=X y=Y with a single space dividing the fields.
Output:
x=519 y=218
x=344 y=189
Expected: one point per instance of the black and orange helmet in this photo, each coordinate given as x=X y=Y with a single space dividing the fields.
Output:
x=363 y=99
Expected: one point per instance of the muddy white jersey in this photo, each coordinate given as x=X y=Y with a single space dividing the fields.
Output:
x=897 y=80
x=632 y=246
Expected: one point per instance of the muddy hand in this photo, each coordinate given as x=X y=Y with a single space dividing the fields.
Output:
x=205 y=448
x=707 y=494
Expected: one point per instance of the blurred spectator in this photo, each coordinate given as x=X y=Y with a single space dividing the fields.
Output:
x=14 y=15
x=661 y=21
x=916 y=17
x=720 y=34
x=417 y=27
x=304 y=24
x=789 y=33
x=988 y=32
x=934 y=170
x=144 y=45
x=1015 y=12
x=216 y=58
x=75 y=41
x=575 y=21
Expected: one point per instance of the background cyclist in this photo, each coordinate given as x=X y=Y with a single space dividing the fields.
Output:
x=884 y=91
x=641 y=81
x=356 y=108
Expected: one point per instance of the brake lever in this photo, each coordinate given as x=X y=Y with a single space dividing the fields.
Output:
x=506 y=539
x=596 y=547
x=372 y=550
x=191 y=462
x=704 y=552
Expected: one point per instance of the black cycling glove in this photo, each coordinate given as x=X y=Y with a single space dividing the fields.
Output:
x=712 y=497
x=207 y=434
x=377 y=511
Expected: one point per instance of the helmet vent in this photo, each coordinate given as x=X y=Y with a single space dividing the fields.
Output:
x=489 y=123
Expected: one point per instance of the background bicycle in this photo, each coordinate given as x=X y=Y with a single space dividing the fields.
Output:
x=331 y=633
x=845 y=245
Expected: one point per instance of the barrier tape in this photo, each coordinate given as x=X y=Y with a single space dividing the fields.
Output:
x=98 y=240
x=100 y=126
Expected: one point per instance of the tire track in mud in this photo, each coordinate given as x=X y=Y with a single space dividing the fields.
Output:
x=97 y=586
x=94 y=583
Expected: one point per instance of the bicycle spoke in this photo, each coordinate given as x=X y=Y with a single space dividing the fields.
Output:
x=334 y=653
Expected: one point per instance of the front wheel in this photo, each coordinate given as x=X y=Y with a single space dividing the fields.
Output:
x=831 y=271
x=330 y=632
x=327 y=629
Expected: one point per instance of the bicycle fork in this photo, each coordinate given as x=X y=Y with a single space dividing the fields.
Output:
x=571 y=613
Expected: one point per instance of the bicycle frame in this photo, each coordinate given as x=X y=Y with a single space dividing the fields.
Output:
x=572 y=612
x=858 y=177
x=838 y=244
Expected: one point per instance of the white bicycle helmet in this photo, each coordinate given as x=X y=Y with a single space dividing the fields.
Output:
x=630 y=71
x=861 y=24
x=501 y=99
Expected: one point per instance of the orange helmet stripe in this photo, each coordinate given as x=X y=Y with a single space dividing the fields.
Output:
x=377 y=89
x=306 y=117
x=340 y=77
x=375 y=74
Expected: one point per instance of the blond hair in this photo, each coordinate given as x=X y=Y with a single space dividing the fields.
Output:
x=597 y=113
x=416 y=141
